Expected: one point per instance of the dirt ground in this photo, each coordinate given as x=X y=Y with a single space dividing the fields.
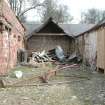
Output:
x=84 y=88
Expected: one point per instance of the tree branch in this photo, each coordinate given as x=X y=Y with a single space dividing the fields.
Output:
x=28 y=9
x=20 y=7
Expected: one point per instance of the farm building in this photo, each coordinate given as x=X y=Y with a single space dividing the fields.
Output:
x=91 y=45
x=11 y=37
x=50 y=34
x=87 y=47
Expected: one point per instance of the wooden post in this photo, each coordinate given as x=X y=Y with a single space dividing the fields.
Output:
x=104 y=48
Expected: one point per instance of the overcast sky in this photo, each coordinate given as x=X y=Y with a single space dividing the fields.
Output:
x=76 y=7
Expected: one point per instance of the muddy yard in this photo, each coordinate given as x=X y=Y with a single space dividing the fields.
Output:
x=69 y=87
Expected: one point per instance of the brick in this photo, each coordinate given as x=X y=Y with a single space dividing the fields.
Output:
x=9 y=45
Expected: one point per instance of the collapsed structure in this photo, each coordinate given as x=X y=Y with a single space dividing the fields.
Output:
x=11 y=37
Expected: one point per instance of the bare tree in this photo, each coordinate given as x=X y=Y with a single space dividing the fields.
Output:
x=18 y=6
x=58 y=12
x=92 y=16
x=48 y=8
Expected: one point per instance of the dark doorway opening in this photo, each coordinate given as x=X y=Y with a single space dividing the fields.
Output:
x=21 y=56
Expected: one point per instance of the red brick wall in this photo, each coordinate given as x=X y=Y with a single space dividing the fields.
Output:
x=9 y=43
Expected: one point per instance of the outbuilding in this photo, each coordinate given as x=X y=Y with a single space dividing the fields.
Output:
x=91 y=45
x=51 y=34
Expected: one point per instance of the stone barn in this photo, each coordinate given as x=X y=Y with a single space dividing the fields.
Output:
x=11 y=37
x=50 y=34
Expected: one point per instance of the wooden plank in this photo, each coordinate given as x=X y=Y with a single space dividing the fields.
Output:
x=49 y=34
x=104 y=48
x=101 y=49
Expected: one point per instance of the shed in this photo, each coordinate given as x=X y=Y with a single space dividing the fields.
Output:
x=93 y=46
x=50 y=34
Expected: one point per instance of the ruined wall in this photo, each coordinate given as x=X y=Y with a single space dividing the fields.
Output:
x=11 y=38
x=39 y=43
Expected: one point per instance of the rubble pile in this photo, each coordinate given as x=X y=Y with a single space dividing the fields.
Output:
x=56 y=54
x=40 y=57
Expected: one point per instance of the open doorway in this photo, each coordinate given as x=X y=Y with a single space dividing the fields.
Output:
x=21 y=56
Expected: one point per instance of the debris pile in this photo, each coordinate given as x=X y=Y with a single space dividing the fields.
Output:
x=40 y=57
x=75 y=58
x=56 y=54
